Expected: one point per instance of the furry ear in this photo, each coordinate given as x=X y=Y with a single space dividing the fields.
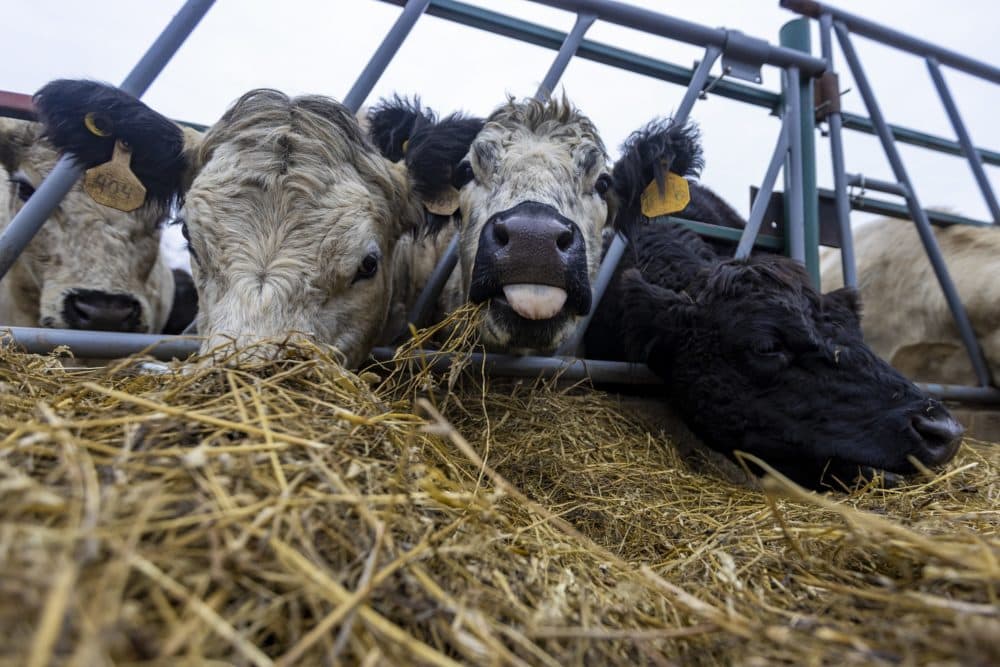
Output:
x=392 y=122
x=158 y=157
x=15 y=137
x=649 y=153
x=843 y=303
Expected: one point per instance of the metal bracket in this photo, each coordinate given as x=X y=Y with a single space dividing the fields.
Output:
x=742 y=56
x=826 y=96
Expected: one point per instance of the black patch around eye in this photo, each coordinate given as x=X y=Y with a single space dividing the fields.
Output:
x=603 y=184
x=187 y=237
x=24 y=188
x=462 y=175
x=368 y=268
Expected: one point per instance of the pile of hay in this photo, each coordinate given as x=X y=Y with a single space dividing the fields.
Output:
x=296 y=513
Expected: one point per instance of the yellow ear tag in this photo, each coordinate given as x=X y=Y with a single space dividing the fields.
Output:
x=406 y=144
x=113 y=183
x=446 y=204
x=676 y=197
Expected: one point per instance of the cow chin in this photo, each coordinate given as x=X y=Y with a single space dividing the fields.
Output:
x=504 y=330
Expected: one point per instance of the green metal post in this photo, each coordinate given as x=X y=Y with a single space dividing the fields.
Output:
x=795 y=35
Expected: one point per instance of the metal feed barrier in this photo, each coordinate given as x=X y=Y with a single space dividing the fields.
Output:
x=742 y=57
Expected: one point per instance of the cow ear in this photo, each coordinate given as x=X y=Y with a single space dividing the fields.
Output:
x=407 y=206
x=649 y=154
x=653 y=315
x=392 y=122
x=843 y=303
x=15 y=137
x=86 y=118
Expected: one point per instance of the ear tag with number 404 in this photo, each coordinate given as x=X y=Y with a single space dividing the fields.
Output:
x=113 y=183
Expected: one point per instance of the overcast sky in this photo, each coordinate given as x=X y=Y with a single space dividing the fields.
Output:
x=316 y=46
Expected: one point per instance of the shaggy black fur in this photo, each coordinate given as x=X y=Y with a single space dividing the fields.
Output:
x=434 y=150
x=754 y=359
x=157 y=143
x=185 y=305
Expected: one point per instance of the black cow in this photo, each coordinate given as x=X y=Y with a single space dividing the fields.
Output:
x=754 y=358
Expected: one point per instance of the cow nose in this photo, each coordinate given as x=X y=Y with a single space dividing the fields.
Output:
x=540 y=236
x=940 y=435
x=102 y=311
x=532 y=243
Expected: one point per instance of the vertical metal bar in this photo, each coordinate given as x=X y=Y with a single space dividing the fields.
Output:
x=794 y=201
x=65 y=174
x=384 y=54
x=752 y=229
x=432 y=290
x=843 y=206
x=697 y=83
x=963 y=138
x=566 y=53
x=916 y=211
x=608 y=265
x=795 y=35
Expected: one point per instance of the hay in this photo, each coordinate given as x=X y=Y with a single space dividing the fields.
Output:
x=295 y=513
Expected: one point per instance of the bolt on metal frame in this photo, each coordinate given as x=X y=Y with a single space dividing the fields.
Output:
x=799 y=69
x=835 y=21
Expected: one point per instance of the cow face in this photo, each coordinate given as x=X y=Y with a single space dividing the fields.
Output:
x=758 y=361
x=289 y=212
x=90 y=266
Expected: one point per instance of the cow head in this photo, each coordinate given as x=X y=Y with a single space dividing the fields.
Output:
x=290 y=213
x=533 y=196
x=757 y=360
x=89 y=266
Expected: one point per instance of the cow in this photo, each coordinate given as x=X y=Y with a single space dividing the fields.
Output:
x=90 y=266
x=754 y=358
x=292 y=216
x=909 y=323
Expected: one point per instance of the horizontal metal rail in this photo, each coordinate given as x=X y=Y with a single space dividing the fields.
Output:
x=893 y=210
x=906 y=135
x=101 y=344
x=867 y=28
x=19 y=105
x=663 y=25
x=865 y=183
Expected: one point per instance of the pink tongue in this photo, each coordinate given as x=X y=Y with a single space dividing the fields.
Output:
x=535 y=302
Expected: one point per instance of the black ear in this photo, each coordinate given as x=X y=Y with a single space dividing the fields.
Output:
x=185 y=306
x=652 y=315
x=434 y=151
x=392 y=122
x=157 y=143
x=843 y=305
x=649 y=153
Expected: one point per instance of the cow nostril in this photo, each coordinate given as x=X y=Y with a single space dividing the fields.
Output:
x=92 y=309
x=941 y=436
x=565 y=239
x=500 y=234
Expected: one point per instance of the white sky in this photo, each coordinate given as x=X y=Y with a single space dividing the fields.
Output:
x=316 y=46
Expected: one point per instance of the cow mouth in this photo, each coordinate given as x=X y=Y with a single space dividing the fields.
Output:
x=532 y=301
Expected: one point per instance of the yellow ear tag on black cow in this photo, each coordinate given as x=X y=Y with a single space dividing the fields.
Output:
x=446 y=204
x=113 y=183
x=676 y=196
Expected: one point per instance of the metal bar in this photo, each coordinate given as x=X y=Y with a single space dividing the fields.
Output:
x=574 y=370
x=566 y=53
x=880 y=33
x=893 y=210
x=983 y=374
x=16 y=105
x=732 y=234
x=794 y=201
x=795 y=35
x=64 y=175
x=975 y=163
x=697 y=84
x=101 y=344
x=916 y=138
x=384 y=53
x=683 y=31
x=843 y=206
x=861 y=181
x=752 y=229
x=421 y=310
x=961 y=393
x=607 y=270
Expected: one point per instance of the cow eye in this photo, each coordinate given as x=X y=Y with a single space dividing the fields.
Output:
x=368 y=268
x=24 y=188
x=463 y=174
x=603 y=184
